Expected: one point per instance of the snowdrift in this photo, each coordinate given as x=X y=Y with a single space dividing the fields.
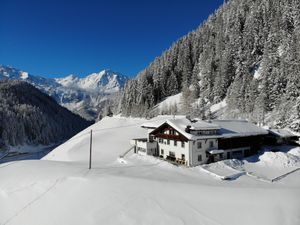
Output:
x=280 y=159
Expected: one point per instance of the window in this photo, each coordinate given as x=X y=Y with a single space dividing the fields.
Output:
x=199 y=144
x=199 y=158
x=162 y=152
x=175 y=143
x=182 y=144
x=182 y=156
x=168 y=141
x=172 y=154
x=211 y=144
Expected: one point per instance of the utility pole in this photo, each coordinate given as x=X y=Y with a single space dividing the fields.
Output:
x=91 y=141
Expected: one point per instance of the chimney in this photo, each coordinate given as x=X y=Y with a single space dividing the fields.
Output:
x=188 y=129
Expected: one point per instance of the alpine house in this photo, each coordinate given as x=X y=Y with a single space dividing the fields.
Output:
x=195 y=142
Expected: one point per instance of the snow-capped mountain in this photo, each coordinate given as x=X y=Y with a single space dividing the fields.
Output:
x=106 y=81
x=84 y=96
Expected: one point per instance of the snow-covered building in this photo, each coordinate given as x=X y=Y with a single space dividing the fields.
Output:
x=195 y=142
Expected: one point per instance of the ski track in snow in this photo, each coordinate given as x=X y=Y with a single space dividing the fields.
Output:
x=36 y=199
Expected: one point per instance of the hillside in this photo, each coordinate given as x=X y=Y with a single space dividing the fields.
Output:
x=247 y=52
x=87 y=96
x=28 y=116
x=142 y=190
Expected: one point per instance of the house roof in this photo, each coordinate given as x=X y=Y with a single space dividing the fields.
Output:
x=239 y=128
x=203 y=125
x=159 y=121
x=282 y=133
x=226 y=128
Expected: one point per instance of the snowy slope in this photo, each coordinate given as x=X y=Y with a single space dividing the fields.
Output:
x=168 y=103
x=83 y=96
x=143 y=190
x=111 y=138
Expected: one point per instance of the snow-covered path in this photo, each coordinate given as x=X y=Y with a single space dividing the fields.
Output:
x=143 y=190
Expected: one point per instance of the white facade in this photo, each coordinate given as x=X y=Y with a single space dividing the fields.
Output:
x=165 y=147
x=198 y=154
x=193 y=152
x=144 y=147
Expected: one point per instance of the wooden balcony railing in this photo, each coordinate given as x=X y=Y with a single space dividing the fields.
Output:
x=171 y=137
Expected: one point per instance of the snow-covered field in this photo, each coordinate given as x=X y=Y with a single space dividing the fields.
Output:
x=143 y=190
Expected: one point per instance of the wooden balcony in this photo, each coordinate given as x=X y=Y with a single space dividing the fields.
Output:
x=171 y=137
x=175 y=161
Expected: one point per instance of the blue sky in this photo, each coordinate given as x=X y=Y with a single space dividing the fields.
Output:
x=60 y=37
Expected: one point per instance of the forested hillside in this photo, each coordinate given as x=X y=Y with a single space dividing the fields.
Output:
x=248 y=52
x=28 y=116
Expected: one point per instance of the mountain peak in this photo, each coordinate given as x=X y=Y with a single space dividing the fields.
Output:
x=81 y=95
x=106 y=81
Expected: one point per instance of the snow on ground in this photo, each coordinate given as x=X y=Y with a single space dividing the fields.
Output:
x=295 y=151
x=279 y=159
x=169 y=102
x=216 y=107
x=270 y=165
x=111 y=138
x=265 y=167
x=139 y=190
x=224 y=170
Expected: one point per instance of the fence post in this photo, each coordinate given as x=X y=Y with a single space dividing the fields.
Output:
x=91 y=141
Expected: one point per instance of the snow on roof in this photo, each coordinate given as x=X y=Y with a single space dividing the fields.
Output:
x=226 y=128
x=159 y=121
x=202 y=125
x=238 y=128
x=181 y=124
x=282 y=133
x=152 y=124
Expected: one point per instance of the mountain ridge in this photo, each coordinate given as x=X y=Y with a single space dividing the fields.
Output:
x=86 y=96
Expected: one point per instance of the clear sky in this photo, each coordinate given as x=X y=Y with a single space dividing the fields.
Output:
x=55 y=38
